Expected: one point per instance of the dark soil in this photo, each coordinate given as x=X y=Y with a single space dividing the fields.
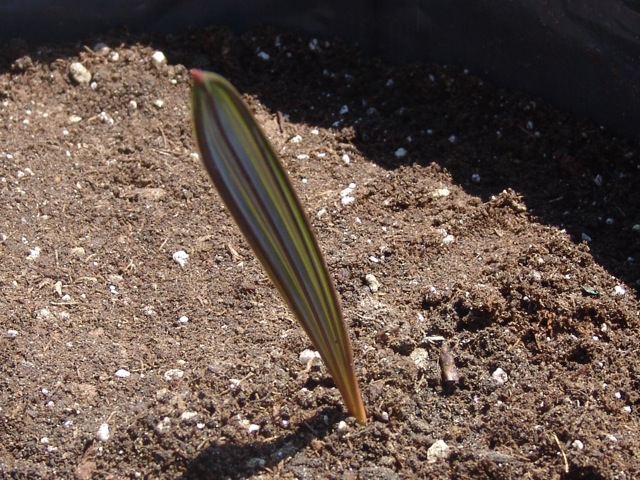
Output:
x=509 y=228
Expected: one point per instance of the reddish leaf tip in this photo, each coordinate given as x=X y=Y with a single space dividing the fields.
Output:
x=196 y=75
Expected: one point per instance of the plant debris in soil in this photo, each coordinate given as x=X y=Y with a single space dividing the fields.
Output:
x=140 y=337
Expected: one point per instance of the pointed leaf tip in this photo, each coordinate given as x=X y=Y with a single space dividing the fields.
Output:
x=196 y=75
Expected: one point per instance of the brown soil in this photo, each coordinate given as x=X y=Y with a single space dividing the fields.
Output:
x=507 y=229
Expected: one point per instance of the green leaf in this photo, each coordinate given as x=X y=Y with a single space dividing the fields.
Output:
x=254 y=186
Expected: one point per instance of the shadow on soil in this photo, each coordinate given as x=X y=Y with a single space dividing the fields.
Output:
x=241 y=460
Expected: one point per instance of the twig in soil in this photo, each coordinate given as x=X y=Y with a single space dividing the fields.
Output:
x=450 y=375
x=564 y=455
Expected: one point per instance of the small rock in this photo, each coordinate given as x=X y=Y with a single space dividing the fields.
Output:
x=500 y=376
x=122 y=373
x=173 y=374
x=578 y=445
x=188 y=417
x=183 y=320
x=448 y=239
x=372 y=282
x=181 y=257
x=475 y=178
x=441 y=192
x=158 y=58
x=310 y=356
x=163 y=426
x=253 y=428
x=401 y=152
x=438 y=451
x=79 y=73
x=342 y=427
x=103 y=432
x=420 y=357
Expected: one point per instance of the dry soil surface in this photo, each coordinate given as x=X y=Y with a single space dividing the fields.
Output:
x=489 y=219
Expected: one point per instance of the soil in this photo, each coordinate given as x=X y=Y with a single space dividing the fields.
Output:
x=495 y=224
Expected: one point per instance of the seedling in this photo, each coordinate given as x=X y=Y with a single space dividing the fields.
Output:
x=257 y=192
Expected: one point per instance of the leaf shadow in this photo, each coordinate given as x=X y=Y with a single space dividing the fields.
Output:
x=238 y=460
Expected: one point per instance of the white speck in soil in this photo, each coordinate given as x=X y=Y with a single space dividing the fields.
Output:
x=500 y=376
x=372 y=282
x=158 y=57
x=401 y=152
x=103 y=433
x=122 y=373
x=181 y=257
x=310 y=356
x=438 y=451
x=173 y=374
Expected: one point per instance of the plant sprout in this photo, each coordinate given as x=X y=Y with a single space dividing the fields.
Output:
x=257 y=192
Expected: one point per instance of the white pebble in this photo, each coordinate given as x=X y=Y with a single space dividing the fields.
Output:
x=296 y=139
x=181 y=257
x=183 y=319
x=163 y=426
x=347 y=191
x=346 y=159
x=79 y=73
x=12 y=333
x=500 y=376
x=344 y=109
x=263 y=55
x=173 y=374
x=441 y=192
x=188 y=416
x=475 y=178
x=420 y=357
x=619 y=290
x=578 y=445
x=342 y=427
x=33 y=254
x=372 y=282
x=122 y=373
x=158 y=57
x=438 y=451
x=347 y=200
x=310 y=356
x=253 y=428
x=103 y=432
x=159 y=103
x=448 y=239
x=401 y=152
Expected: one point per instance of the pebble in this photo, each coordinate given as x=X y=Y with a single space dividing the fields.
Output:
x=401 y=152
x=79 y=73
x=253 y=428
x=309 y=355
x=448 y=239
x=500 y=376
x=263 y=56
x=372 y=282
x=438 y=451
x=475 y=178
x=441 y=192
x=103 y=432
x=188 y=416
x=420 y=357
x=619 y=290
x=342 y=427
x=122 y=373
x=12 y=333
x=183 y=319
x=173 y=374
x=158 y=57
x=578 y=445
x=181 y=257
x=163 y=426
